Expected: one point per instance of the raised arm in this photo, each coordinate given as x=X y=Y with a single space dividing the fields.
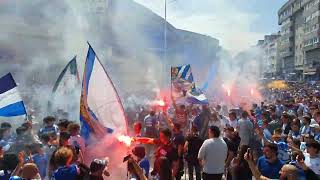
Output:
x=17 y=170
x=174 y=102
x=168 y=120
x=144 y=140
x=255 y=171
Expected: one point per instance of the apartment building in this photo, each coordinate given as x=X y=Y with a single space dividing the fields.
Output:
x=299 y=44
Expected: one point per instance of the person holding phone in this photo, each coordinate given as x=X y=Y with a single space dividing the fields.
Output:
x=286 y=172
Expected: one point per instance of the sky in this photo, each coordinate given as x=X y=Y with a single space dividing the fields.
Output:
x=238 y=24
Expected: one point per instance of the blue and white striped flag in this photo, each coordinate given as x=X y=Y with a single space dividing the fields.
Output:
x=101 y=110
x=11 y=103
x=182 y=72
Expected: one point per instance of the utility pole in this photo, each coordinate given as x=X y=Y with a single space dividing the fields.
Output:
x=164 y=75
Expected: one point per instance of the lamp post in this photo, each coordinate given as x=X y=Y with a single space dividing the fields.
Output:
x=165 y=45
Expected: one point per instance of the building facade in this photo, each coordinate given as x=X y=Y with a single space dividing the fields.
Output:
x=299 y=44
x=270 y=64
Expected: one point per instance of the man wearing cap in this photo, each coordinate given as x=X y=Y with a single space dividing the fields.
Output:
x=98 y=169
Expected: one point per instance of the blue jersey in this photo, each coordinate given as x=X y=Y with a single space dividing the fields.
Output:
x=41 y=160
x=5 y=174
x=150 y=123
x=63 y=173
x=269 y=170
x=283 y=151
x=145 y=166
x=317 y=137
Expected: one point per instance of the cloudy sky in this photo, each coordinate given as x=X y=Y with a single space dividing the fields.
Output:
x=238 y=24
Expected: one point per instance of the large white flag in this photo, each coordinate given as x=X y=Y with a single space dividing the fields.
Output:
x=101 y=111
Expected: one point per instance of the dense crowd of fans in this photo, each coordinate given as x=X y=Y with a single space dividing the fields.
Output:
x=277 y=139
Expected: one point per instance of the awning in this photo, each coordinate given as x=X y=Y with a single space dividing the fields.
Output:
x=310 y=73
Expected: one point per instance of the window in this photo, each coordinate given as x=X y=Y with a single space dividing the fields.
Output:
x=287 y=21
x=315 y=40
x=310 y=42
x=315 y=14
x=308 y=19
x=310 y=4
x=290 y=49
x=306 y=30
x=315 y=27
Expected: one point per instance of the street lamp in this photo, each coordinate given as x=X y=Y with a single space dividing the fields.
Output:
x=165 y=45
x=165 y=40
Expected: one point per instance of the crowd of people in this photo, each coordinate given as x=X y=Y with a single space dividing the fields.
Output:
x=275 y=139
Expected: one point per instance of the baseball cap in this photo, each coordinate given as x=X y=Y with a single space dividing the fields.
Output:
x=4 y=145
x=314 y=126
x=98 y=164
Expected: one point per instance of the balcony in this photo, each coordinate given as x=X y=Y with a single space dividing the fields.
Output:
x=286 y=53
x=312 y=47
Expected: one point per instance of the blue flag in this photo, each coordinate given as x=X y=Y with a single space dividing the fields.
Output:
x=11 y=103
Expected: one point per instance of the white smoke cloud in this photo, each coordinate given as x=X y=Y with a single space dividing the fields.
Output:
x=221 y=19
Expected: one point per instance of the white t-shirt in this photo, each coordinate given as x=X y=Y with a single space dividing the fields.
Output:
x=233 y=123
x=312 y=163
x=214 y=153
